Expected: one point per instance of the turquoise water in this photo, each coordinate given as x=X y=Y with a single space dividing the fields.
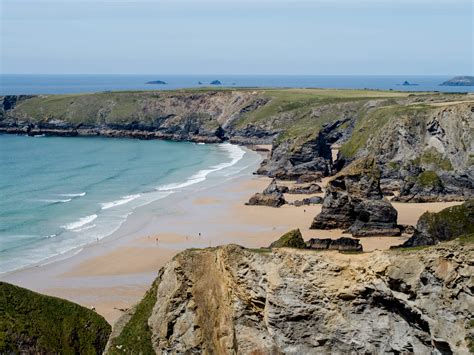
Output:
x=61 y=193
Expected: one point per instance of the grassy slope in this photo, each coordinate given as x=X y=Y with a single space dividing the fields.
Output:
x=299 y=103
x=34 y=322
x=136 y=335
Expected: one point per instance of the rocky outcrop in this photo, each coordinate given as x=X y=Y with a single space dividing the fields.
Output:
x=292 y=239
x=272 y=196
x=464 y=80
x=314 y=200
x=31 y=323
x=273 y=188
x=270 y=200
x=415 y=142
x=425 y=187
x=353 y=201
x=342 y=244
x=375 y=217
x=447 y=224
x=310 y=188
x=230 y=300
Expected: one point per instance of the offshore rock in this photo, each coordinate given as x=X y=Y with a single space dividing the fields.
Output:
x=230 y=300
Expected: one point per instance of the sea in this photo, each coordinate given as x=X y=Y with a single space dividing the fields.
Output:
x=63 y=84
x=61 y=193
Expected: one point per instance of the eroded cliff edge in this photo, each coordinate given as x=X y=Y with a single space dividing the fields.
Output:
x=423 y=142
x=235 y=300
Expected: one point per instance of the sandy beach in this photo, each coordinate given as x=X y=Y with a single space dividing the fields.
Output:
x=113 y=274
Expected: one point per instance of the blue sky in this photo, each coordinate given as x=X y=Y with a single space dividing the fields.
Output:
x=393 y=37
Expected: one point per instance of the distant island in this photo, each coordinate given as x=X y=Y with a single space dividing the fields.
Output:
x=407 y=83
x=156 y=82
x=464 y=80
x=216 y=82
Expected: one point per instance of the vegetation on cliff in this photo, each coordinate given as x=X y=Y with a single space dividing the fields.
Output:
x=450 y=223
x=35 y=323
x=135 y=336
x=292 y=239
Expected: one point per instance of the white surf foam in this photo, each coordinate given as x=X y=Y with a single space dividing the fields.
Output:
x=57 y=201
x=80 y=222
x=236 y=153
x=74 y=195
x=122 y=201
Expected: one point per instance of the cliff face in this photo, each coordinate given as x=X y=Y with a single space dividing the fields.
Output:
x=233 y=300
x=412 y=136
x=426 y=150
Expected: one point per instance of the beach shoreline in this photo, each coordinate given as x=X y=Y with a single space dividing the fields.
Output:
x=113 y=274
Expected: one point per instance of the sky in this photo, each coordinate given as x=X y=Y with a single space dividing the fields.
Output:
x=302 y=37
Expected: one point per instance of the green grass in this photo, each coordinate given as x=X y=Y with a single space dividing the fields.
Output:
x=35 y=323
x=292 y=239
x=433 y=157
x=135 y=337
x=466 y=239
x=428 y=178
x=371 y=123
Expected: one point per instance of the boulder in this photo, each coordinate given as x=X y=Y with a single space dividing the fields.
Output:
x=275 y=188
x=315 y=200
x=305 y=178
x=345 y=244
x=450 y=223
x=310 y=188
x=271 y=200
x=292 y=239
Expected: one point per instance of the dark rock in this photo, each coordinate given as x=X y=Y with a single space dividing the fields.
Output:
x=375 y=217
x=156 y=82
x=407 y=228
x=292 y=239
x=426 y=186
x=407 y=83
x=216 y=82
x=358 y=182
x=447 y=224
x=271 y=200
x=305 y=189
x=345 y=244
x=275 y=188
x=315 y=200
x=313 y=177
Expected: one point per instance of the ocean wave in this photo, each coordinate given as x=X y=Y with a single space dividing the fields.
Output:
x=53 y=202
x=236 y=153
x=80 y=222
x=85 y=228
x=74 y=195
x=122 y=201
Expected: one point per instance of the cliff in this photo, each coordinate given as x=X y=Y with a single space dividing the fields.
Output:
x=33 y=323
x=410 y=134
x=232 y=300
